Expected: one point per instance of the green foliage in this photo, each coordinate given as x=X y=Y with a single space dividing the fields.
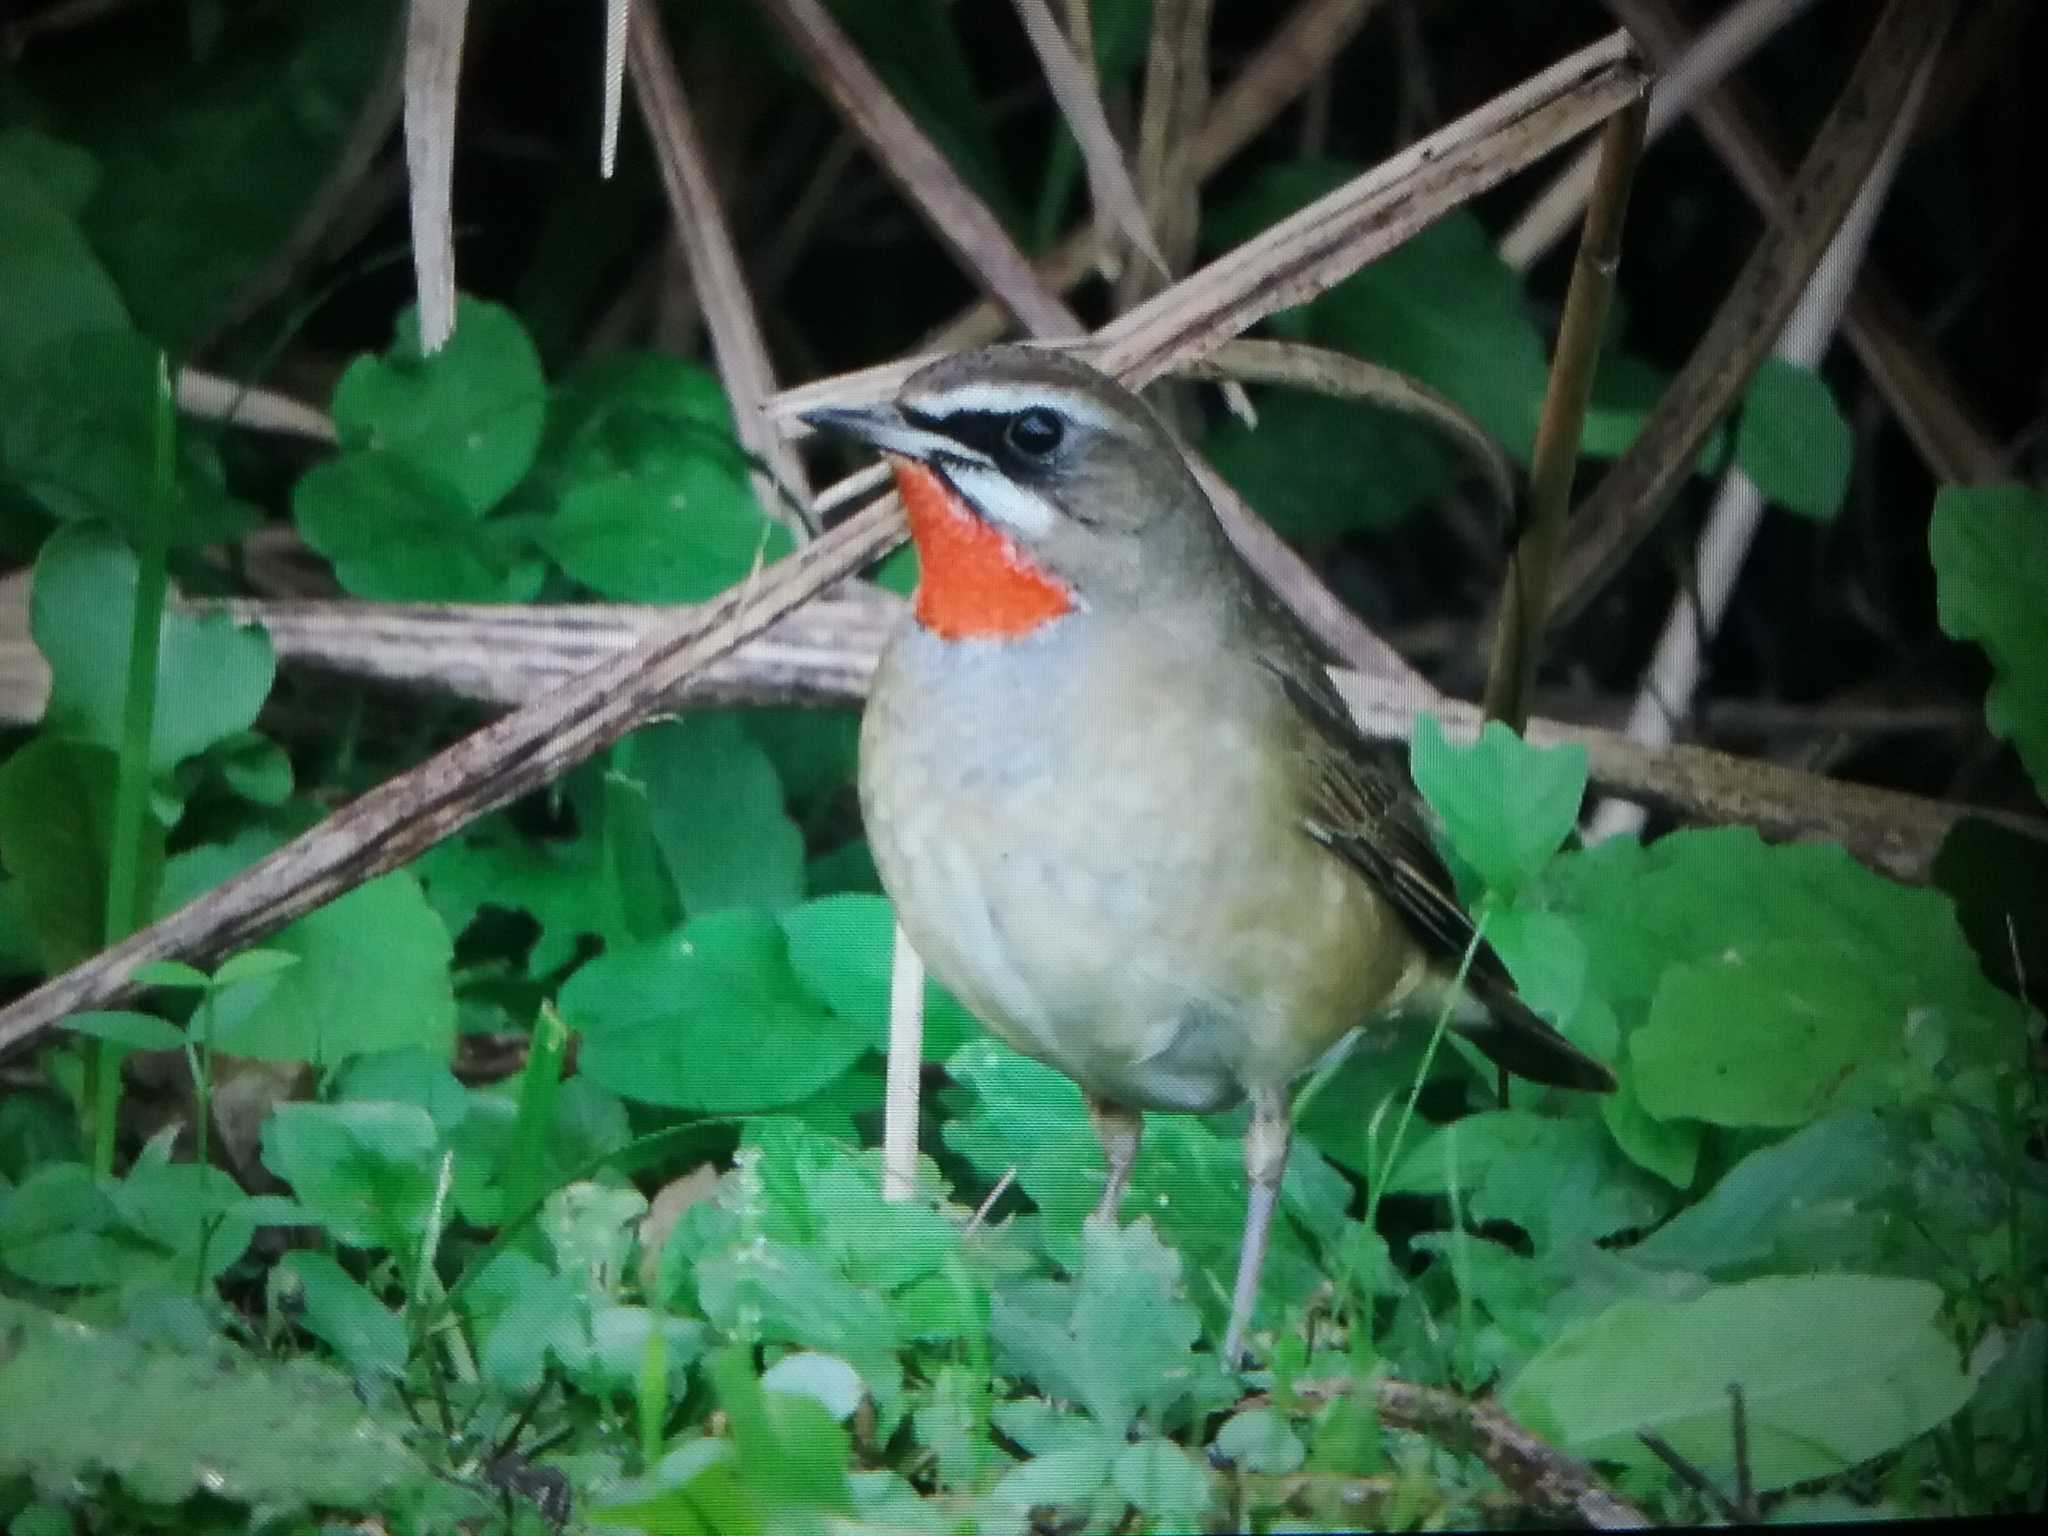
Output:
x=711 y=1017
x=51 y=283
x=1794 y=442
x=167 y=1422
x=372 y=971
x=212 y=673
x=648 y=1255
x=56 y=834
x=1834 y=1369
x=1506 y=805
x=1990 y=549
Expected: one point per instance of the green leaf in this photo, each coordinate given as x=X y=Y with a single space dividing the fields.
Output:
x=1847 y=1159
x=174 y=1213
x=825 y=1379
x=253 y=965
x=1318 y=468
x=1990 y=549
x=1561 y=1181
x=1777 y=1036
x=214 y=154
x=82 y=442
x=1028 y=1120
x=318 y=1446
x=843 y=948
x=140 y=1031
x=371 y=971
x=359 y=1328
x=1119 y=1340
x=59 y=1230
x=1260 y=1440
x=1835 y=1369
x=717 y=814
x=1507 y=806
x=1442 y=306
x=212 y=674
x=776 y=1292
x=1722 y=897
x=56 y=833
x=397 y=532
x=710 y=1017
x=173 y=975
x=523 y=1313
x=64 y=173
x=1062 y=1478
x=1794 y=442
x=368 y=1169
x=51 y=282
x=681 y=526
x=469 y=417
x=1163 y=1481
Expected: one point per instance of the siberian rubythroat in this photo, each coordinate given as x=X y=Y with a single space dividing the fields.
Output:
x=1121 y=811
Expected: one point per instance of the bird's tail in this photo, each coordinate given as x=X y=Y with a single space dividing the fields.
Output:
x=1511 y=1035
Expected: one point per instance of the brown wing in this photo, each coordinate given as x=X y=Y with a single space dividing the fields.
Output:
x=1359 y=803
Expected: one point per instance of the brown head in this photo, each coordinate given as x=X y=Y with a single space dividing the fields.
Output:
x=1036 y=485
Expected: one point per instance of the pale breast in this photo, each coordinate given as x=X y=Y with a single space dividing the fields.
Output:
x=1094 y=846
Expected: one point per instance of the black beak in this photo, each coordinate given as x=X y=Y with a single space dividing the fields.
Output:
x=885 y=428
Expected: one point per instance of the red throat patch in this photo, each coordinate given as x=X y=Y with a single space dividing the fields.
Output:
x=974 y=583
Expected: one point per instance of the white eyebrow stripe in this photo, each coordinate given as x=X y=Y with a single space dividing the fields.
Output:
x=1002 y=500
x=1008 y=399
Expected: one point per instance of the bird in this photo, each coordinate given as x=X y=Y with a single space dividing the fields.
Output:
x=1119 y=807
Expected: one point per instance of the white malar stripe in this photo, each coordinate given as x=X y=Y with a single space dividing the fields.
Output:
x=1008 y=399
x=1002 y=500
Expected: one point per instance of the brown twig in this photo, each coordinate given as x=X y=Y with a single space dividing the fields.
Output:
x=714 y=263
x=1071 y=77
x=1322 y=244
x=433 y=71
x=1298 y=52
x=1903 y=363
x=410 y=813
x=1625 y=506
x=1525 y=595
x=1176 y=97
x=1542 y=1476
x=956 y=215
x=1298 y=365
x=825 y=653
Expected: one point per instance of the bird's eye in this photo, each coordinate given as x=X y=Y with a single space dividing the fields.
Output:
x=1035 y=433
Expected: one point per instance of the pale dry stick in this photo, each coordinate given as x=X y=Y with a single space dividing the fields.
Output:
x=720 y=284
x=1543 y=1476
x=617 y=18
x=1717 y=52
x=1317 y=247
x=408 y=814
x=1902 y=362
x=1175 y=101
x=1674 y=671
x=824 y=654
x=910 y=159
x=1072 y=83
x=1299 y=365
x=1295 y=55
x=433 y=72
x=210 y=397
x=906 y=1061
x=1628 y=501
x=1525 y=594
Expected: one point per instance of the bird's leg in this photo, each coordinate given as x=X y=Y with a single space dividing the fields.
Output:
x=1119 y=1129
x=1266 y=1141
